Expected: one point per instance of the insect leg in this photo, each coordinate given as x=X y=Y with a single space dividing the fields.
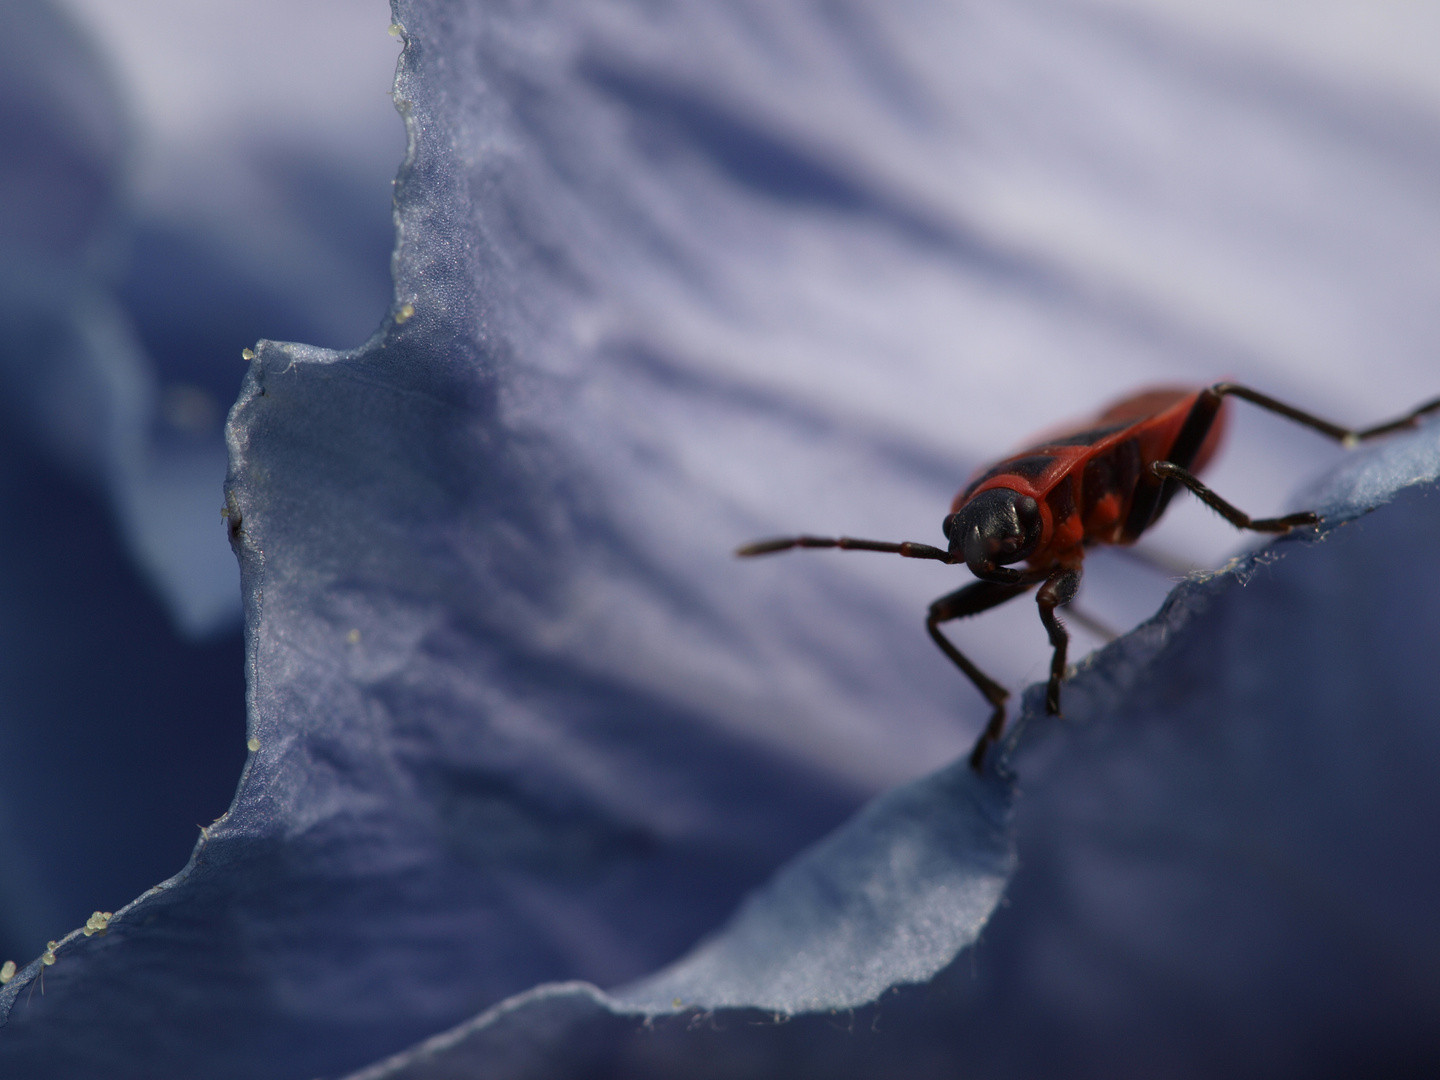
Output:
x=1236 y=517
x=1152 y=492
x=1059 y=589
x=1097 y=627
x=974 y=598
x=848 y=543
x=1325 y=427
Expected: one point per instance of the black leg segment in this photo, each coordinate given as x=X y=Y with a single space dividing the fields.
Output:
x=1325 y=427
x=1156 y=488
x=1104 y=631
x=1152 y=492
x=1059 y=589
x=1236 y=517
x=971 y=600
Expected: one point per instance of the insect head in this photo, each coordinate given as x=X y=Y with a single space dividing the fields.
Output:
x=995 y=527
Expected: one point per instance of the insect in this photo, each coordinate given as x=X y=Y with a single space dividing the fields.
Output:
x=1101 y=482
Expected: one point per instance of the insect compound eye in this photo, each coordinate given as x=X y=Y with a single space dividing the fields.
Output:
x=945 y=525
x=1027 y=516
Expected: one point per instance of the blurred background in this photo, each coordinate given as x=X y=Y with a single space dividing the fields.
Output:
x=177 y=180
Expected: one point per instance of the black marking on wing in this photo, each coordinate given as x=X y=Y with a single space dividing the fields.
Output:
x=1089 y=438
x=1031 y=467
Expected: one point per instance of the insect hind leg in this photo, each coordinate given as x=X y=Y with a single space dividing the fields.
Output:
x=972 y=600
x=1340 y=434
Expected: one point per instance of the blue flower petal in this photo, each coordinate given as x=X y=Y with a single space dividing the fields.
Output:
x=1217 y=852
x=518 y=717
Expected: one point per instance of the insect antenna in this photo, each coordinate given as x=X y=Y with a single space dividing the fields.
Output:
x=906 y=549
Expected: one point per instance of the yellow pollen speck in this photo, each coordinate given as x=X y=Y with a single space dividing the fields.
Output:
x=404 y=314
x=49 y=957
x=7 y=972
x=247 y=354
x=97 y=922
x=396 y=29
x=353 y=637
x=677 y=1003
x=253 y=745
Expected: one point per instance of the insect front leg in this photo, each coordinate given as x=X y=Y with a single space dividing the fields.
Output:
x=1170 y=471
x=971 y=600
x=1059 y=589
